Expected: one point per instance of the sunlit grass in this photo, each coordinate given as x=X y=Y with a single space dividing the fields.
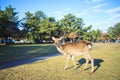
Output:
x=107 y=58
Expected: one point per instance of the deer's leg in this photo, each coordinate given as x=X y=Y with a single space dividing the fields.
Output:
x=73 y=59
x=87 y=60
x=92 y=62
x=88 y=57
x=68 y=57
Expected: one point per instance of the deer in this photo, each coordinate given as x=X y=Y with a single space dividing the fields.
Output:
x=71 y=50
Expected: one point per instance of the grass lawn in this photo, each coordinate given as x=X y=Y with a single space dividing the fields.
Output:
x=106 y=56
x=13 y=53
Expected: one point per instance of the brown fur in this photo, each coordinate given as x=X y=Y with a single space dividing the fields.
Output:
x=74 y=49
x=70 y=48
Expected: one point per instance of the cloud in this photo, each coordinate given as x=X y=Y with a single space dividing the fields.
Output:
x=84 y=12
x=113 y=17
x=57 y=12
x=93 y=1
x=99 y=5
x=67 y=9
x=87 y=1
x=60 y=14
x=98 y=8
x=96 y=0
x=113 y=11
x=105 y=24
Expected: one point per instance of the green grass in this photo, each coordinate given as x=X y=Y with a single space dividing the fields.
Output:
x=107 y=67
x=21 y=52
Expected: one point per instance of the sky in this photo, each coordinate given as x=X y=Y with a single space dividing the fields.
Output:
x=101 y=14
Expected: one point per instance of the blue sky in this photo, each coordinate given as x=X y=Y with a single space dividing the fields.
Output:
x=99 y=13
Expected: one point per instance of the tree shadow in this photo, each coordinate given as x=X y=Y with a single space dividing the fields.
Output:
x=23 y=62
x=97 y=62
x=15 y=55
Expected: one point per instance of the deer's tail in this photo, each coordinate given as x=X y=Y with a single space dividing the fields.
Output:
x=90 y=45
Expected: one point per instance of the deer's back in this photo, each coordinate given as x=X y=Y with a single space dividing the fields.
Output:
x=75 y=48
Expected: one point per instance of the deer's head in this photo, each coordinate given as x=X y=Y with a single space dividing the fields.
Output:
x=57 y=41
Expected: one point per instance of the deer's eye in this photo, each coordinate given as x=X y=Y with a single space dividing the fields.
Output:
x=55 y=42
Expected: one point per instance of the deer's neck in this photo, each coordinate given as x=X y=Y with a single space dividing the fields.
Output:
x=60 y=49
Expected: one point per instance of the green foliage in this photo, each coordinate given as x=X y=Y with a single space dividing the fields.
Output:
x=94 y=35
x=9 y=22
x=30 y=37
x=70 y=23
x=38 y=27
x=85 y=32
x=114 y=31
x=11 y=14
x=47 y=27
x=31 y=24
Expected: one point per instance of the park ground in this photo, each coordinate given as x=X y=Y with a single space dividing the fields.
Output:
x=106 y=59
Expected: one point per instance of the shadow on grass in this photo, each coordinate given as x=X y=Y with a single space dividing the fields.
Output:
x=97 y=62
x=23 y=62
x=14 y=55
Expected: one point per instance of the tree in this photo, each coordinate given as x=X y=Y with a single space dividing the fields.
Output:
x=114 y=32
x=85 y=32
x=47 y=28
x=71 y=24
x=117 y=29
x=31 y=24
x=94 y=35
x=9 y=23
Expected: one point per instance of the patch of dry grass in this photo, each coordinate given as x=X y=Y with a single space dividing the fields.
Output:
x=107 y=58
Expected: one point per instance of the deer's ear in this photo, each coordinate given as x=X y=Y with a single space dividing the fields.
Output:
x=61 y=38
x=53 y=38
